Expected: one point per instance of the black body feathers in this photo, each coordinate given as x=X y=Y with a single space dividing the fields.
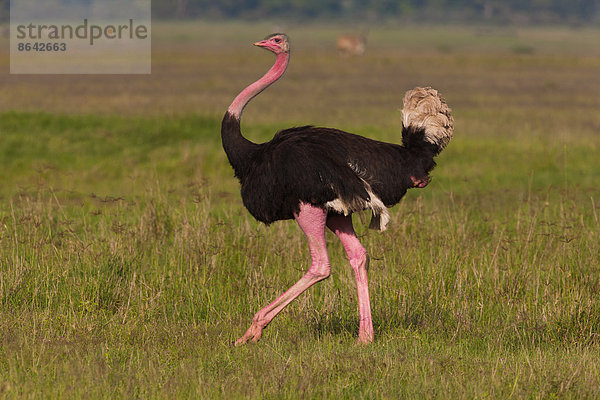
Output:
x=323 y=165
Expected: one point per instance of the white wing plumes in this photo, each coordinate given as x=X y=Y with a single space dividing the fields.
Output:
x=425 y=108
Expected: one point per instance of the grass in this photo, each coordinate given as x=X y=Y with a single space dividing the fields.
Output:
x=128 y=264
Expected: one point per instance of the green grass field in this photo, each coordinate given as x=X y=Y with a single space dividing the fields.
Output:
x=128 y=265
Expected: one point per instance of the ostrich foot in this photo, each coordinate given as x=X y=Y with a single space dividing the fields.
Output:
x=365 y=332
x=253 y=334
x=365 y=338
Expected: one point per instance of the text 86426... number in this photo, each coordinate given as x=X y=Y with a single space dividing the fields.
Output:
x=41 y=46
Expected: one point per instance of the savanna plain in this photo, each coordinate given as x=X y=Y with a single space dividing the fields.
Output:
x=128 y=264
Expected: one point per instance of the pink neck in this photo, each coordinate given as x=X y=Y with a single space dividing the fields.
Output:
x=271 y=76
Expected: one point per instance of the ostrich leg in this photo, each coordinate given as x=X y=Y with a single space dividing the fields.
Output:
x=312 y=221
x=359 y=260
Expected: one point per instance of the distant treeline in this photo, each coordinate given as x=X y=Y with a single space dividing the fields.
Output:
x=515 y=11
x=520 y=11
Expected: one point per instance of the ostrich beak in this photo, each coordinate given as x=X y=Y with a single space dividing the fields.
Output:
x=262 y=43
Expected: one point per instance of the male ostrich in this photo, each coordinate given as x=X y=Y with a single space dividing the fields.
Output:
x=320 y=176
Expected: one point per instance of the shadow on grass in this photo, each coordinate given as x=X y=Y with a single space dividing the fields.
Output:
x=341 y=325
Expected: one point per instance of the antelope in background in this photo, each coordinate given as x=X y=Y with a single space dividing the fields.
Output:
x=351 y=45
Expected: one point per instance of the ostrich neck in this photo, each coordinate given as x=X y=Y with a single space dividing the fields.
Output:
x=237 y=107
x=240 y=150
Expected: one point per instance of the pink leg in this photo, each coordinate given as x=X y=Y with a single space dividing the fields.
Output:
x=312 y=221
x=359 y=260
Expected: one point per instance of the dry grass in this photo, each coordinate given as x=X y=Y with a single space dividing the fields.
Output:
x=128 y=264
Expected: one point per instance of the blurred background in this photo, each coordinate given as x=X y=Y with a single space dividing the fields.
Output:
x=202 y=55
x=455 y=11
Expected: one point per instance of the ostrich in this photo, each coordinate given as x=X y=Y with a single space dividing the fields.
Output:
x=320 y=176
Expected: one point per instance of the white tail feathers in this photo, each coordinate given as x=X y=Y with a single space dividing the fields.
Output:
x=425 y=108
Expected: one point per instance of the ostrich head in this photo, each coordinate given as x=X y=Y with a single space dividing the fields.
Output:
x=276 y=42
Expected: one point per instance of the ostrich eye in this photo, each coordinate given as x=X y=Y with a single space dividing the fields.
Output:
x=277 y=40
